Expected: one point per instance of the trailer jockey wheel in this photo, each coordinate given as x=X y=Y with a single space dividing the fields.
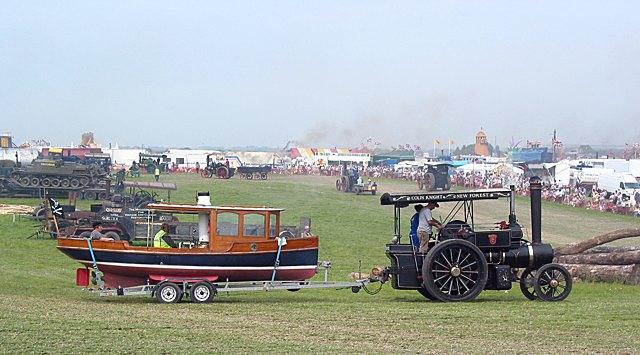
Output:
x=527 y=283
x=552 y=283
x=454 y=270
x=202 y=292
x=168 y=292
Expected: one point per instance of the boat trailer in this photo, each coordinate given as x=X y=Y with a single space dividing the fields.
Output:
x=204 y=289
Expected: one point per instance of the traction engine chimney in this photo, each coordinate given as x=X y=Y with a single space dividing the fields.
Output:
x=535 y=189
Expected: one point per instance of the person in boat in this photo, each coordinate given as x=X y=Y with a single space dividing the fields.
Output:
x=162 y=238
x=96 y=233
x=413 y=231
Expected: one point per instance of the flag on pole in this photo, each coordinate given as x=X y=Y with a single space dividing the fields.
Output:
x=436 y=141
x=56 y=209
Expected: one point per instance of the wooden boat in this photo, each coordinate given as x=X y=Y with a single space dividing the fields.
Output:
x=228 y=244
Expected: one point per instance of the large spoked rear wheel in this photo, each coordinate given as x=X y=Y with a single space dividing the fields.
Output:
x=168 y=292
x=222 y=172
x=527 y=283
x=454 y=270
x=423 y=291
x=429 y=181
x=552 y=282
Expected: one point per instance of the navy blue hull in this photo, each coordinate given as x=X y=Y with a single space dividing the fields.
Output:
x=132 y=268
x=287 y=258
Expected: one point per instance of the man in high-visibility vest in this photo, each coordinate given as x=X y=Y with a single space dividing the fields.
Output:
x=162 y=238
x=156 y=173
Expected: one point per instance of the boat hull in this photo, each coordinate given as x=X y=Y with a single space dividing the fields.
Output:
x=127 y=267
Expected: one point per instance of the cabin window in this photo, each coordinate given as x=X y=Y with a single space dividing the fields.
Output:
x=273 y=225
x=253 y=224
x=179 y=160
x=227 y=224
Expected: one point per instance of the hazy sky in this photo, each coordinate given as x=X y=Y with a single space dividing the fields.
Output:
x=184 y=73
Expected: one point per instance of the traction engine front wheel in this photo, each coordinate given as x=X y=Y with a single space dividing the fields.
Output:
x=552 y=283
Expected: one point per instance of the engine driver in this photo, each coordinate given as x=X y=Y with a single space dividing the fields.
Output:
x=425 y=224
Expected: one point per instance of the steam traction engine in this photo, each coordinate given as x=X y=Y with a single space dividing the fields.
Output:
x=216 y=168
x=434 y=176
x=466 y=258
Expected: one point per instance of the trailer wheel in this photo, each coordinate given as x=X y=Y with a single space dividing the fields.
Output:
x=263 y=176
x=249 y=176
x=527 y=284
x=202 y=292
x=552 y=283
x=454 y=270
x=168 y=292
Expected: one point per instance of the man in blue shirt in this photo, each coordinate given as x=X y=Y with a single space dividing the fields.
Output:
x=413 y=232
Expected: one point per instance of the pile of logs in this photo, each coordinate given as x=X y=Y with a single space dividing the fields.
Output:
x=15 y=209
x=589 y=260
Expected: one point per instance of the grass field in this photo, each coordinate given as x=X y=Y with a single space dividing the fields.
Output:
x=42 y=311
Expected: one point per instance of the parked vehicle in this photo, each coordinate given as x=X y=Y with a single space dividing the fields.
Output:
x=250 y=172
x=612 y=182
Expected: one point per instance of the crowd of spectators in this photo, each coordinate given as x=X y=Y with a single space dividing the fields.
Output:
x=584 y=197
